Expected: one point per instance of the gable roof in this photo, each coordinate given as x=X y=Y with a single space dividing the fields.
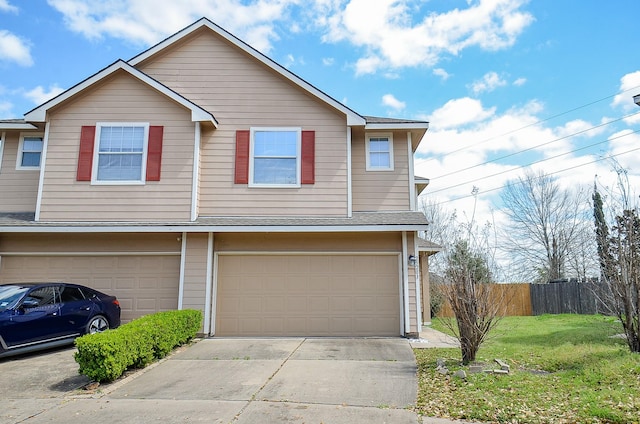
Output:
x=198 y=114
x=353 y=118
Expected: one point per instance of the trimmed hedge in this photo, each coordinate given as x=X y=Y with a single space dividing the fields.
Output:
x=106 y=356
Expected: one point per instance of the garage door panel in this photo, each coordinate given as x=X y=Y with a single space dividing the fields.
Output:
x=345 y=295
x=142 y=284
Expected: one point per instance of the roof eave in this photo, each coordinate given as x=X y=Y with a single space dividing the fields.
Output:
x=398 y=126
x=636 y=99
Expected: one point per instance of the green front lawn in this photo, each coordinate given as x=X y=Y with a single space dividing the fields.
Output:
x=564 y=369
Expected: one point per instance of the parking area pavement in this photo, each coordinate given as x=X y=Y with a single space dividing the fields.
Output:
x=34 y=383
x=292 y=380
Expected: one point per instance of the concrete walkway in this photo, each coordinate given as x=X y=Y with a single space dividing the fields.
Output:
x=433 y=338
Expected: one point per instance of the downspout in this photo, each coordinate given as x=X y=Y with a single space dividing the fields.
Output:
x=196 y=173
x=183 y=259
x=349 y=175
x=208 y=317
x=405 y=283
x=43 y=160
x=412 y=181
x=418 y=282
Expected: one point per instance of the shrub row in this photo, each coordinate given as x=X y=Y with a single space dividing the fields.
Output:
x=106 y=356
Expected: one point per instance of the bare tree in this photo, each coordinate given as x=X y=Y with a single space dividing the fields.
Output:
x=466 y=267
x=545 y=235
x=443 y=229
x=619 y=254
x=467 y=290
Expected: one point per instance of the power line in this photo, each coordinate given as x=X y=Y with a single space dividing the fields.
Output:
x=511 y=183
x=532 y=163
x=542 y=120
x=536 y=146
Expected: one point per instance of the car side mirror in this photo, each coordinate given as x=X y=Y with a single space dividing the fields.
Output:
x=29 y=303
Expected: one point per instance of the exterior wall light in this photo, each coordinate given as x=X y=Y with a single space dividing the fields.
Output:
x=412 y=260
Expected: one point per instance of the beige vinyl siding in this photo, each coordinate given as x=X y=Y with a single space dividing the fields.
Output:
x=18 y=188
x=242 y=93
x=195 y=271
x=380 y=190
x=120 y=98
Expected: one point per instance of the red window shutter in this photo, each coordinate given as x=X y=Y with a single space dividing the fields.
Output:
x=242 y=157
x=308 y=157
x=154 y=153
x=85 y=155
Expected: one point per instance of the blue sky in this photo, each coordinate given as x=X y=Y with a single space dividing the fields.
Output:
x=504 y=83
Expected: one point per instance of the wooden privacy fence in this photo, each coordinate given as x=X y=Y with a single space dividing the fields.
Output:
x=569 y=298
x=517 y=300
x=553 y=298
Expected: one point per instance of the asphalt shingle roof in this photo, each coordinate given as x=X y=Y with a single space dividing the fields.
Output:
x=359 y=220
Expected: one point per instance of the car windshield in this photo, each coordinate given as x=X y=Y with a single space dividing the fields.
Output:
x=9 y=295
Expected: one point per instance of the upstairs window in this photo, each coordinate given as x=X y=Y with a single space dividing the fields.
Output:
x=379 y=152
x=29 y=152
x=121 y=152
x=275 y=157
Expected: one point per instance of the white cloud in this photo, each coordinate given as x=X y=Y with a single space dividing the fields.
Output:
x=439 y=72
x=6 y=7
x=130 y=19
x=368 y=65
x=5 y=110
x=14 y=49
x=385 y=29
x=39 y=95
x=469 y=144
x=459 y=112
x=390 y=101
x=629 y=87
x=625 y=147
x=520 y=82
x=328 y=61
x=489 y=82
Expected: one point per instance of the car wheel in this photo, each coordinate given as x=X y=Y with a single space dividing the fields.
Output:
x=97 y=324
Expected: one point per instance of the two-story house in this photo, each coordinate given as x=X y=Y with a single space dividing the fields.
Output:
x=201 y=174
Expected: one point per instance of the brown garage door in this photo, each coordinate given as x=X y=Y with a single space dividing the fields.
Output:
x=143 y=284
x=308 y=295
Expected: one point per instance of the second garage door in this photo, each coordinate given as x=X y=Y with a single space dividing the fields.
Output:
x=143 y=284
x=308 y=295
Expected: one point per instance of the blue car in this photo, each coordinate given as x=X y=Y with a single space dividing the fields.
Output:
x=36 y=316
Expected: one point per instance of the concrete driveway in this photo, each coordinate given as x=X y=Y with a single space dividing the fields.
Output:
x=294 y=380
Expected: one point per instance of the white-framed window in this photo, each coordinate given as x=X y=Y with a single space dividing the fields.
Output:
x=120 y=152
x=379 y=152
x=274 y=157
x=29 y=151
